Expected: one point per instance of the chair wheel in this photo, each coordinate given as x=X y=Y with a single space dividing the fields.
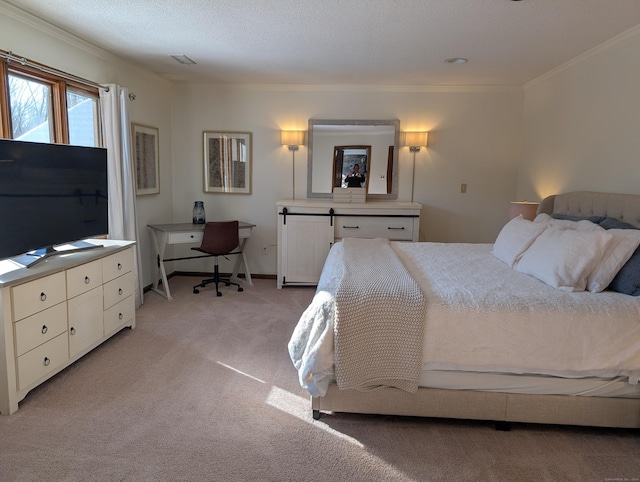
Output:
x=196 y=291
x=219 y=294
x=240 y=288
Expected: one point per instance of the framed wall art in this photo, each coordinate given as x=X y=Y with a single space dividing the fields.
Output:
x=145 y=156
x=227 y=162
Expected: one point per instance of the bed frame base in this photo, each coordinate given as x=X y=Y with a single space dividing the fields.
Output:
x=476 y=405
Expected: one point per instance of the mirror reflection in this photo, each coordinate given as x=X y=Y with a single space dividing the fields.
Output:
x=350 y=166
x=334 y=147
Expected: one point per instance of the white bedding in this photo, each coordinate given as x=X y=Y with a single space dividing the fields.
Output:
x=483 y=316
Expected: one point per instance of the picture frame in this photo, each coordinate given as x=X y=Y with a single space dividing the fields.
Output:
x=146 y=159
x=227 y=162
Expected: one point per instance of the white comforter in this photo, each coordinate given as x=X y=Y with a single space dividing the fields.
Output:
x=483 y=316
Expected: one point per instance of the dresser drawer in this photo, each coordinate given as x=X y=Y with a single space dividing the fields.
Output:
x=117 y=265
x=400 y=229
x=84 y=278
x=38 y=295
x=119 y=315
x=37 y=329
x=178 y=238
x=42 y=360
x=117 y=290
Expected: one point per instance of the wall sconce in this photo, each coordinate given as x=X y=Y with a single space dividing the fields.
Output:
x=527 y=209
x=415 y=141
x=292 y=139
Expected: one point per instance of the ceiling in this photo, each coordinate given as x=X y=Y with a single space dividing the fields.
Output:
x=384 y=42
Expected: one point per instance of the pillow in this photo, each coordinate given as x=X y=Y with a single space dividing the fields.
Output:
x=613 y=223
x=564 y=258
x=514 y=239
x=627 y=280
x=570 y=217
x=619 y=250
x=579 y=225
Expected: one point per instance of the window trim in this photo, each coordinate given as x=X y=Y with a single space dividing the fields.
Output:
x=58 y=84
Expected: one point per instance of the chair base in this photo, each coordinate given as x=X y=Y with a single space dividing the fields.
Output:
x=226 y=281
x=217 y=280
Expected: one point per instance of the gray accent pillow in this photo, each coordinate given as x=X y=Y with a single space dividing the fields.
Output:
x=627 y=280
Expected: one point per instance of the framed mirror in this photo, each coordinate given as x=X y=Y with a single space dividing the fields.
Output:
x=380 y=140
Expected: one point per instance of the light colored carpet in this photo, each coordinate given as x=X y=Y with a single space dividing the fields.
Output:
x=203 y=389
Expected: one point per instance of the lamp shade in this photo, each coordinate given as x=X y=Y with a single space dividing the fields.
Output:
x=527 y=209
x=292 y=138
x=415 y=139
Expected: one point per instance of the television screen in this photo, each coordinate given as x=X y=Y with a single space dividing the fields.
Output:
x=50 y=194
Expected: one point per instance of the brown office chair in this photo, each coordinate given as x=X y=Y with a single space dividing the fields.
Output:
x=219 y=239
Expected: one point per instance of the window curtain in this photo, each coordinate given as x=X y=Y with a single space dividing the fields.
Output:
x=122 y=201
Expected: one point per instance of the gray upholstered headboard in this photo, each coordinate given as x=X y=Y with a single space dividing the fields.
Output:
x=625 y=207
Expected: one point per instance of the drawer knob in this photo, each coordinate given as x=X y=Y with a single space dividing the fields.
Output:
x=120 y=316
x=391 y=227
x=72 y=331
x=119 y=291
x=87 y=280
x=44 y=329
x=46 y=361
x=43 y=296
x=350 y=227
x=119 y=266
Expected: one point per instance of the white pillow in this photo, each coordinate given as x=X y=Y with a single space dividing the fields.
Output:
x=618 y=252
x=564 y=258
x=514 y=239
x=582 y=225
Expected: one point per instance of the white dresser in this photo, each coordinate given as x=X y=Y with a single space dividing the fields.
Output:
x=58 y=310
x=308 y=229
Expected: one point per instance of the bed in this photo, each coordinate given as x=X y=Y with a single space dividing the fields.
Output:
x=485 y=331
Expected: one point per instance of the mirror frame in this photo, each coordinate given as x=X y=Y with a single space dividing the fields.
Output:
x=350 y=122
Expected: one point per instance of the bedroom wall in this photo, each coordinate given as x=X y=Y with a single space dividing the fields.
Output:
x=475 y=138
x=580 y=125
x=29 y=37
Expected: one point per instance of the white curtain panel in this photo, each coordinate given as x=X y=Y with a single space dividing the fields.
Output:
x=122 y=201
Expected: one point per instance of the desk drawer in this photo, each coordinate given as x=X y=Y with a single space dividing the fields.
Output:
x=179 y=238
x=400 y=229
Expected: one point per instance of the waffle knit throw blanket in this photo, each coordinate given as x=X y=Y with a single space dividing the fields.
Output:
x=379 y=319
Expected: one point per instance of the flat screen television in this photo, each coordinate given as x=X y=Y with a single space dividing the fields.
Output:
x=50 y=195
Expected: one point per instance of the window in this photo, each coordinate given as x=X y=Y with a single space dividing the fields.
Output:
x=30 y=108
x=38 y=106
x=83 y=117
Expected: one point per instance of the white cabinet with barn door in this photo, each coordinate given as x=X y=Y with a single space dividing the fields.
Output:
x=308 y=229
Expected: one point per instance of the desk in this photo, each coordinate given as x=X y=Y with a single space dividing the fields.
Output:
x=182 y=233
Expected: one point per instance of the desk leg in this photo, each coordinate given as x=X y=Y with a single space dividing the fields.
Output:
x=242 y=260
x=161 y=244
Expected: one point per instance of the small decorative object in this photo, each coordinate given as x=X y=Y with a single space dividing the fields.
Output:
x=198 y=212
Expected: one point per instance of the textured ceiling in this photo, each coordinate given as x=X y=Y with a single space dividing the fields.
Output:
x=391 y=42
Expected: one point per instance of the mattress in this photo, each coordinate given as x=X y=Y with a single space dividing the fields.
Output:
x=485 y=318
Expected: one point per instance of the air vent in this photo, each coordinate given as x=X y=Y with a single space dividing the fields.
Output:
x=182 y=59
